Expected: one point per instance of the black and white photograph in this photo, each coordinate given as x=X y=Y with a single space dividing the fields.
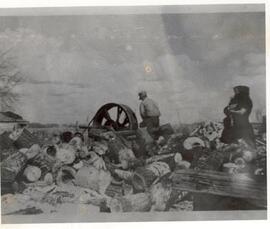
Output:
x=133 y=113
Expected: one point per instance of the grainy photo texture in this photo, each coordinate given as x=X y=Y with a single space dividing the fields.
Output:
x=133 y=114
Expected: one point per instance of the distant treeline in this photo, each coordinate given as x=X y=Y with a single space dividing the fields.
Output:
x=41 y=125
x=48 y=125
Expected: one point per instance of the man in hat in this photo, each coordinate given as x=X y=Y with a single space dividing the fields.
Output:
x=150 y=113
x=236 y=124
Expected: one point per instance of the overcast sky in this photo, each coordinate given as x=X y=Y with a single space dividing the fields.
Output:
x=188 y=63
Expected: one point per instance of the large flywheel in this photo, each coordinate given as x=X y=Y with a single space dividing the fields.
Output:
x=116 y=116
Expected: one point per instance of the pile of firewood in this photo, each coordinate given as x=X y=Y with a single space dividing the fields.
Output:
x=106 y=171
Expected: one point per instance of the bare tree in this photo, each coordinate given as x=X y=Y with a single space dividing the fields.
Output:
x=10 y=76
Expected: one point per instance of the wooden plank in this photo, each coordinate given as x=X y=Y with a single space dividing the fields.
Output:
x=218 y=183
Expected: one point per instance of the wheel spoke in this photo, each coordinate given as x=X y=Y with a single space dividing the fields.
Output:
x=119 y=112
x=126 y=121
x=107 y=115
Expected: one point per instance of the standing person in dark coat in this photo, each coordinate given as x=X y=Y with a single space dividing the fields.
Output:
x=236 y=124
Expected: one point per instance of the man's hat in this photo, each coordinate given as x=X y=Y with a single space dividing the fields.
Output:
x=242 y=89
x=142 y=93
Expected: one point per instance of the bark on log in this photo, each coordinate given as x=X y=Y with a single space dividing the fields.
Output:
x=12 y=166
x=218 y=183
x=92 y=178
x=65 y=174
x=114 y=190
x=140 y=202
x=144 y=177
x=25 y=140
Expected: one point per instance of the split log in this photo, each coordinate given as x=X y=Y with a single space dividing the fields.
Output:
x=219 y=183
x=161 y=193
x=25 y=140
x=65 y=175
x=114 y=190
x=159 y=158
x=66 y=156
x=15 y=163
x=125 y=175
x=140 y=202
x=143 y=177
x=163 y=196
x=44 y=161
x=92 y=178
x=32 y=173
x=12 y=166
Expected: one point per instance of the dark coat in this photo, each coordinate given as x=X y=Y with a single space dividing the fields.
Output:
x=237 y=126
